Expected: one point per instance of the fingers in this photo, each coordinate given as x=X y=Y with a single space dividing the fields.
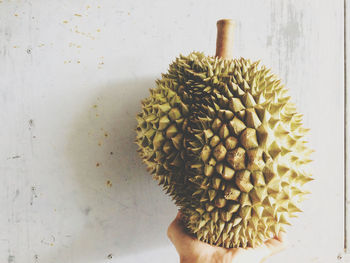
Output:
x=277 y=243
x=186 y=244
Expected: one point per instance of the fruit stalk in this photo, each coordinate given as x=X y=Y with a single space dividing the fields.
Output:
x=224 y=39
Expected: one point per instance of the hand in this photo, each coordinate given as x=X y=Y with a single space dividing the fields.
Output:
x=192 y=250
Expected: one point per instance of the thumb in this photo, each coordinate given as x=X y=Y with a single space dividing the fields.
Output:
x=176 y=232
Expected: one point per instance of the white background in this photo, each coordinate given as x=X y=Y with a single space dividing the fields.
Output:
x=72 y=74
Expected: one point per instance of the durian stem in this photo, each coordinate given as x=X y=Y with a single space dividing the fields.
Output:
x=224 y=39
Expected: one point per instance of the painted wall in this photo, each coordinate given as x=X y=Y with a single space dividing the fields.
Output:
x=72 y=74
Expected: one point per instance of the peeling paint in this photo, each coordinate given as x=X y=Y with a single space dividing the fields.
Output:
x=11 y=259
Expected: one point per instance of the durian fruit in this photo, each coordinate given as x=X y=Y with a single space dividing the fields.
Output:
x=224 y=140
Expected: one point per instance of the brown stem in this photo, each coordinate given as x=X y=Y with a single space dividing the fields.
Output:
x=224 y=39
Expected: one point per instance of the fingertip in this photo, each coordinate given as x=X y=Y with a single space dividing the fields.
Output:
x=282 y=236
x=178 y=216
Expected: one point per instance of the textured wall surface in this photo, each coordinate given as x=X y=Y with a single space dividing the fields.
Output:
x=72 y=74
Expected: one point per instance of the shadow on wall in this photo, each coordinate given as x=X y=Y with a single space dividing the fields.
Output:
x=125 y=211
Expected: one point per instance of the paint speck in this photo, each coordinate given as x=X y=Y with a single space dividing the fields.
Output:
x=98 y=30
x=87 y=211
x=88 y=35
x=111 y=153
x=98 y=164
x=128 y=13
x=16 y=194
x=15 y=46
x=78 y=15
x=33 y=195
x=110 y=256
x=29 y=51
x=87 y=7
x=99 y=144
x=98 y=6
x=109 y=183
x=15 y=14
x=41 y=45
x=65 y=22
x=49 y=241
x=15 y=157
x=94 y=106
x=97 y=115
x=36 y=258
x=78 y=46
x=106 y=134
x=31 y=123
x=78 y=62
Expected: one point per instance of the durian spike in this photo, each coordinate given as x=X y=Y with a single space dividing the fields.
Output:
x=224 y=39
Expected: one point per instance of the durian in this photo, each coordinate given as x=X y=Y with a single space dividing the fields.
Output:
x=224 y=140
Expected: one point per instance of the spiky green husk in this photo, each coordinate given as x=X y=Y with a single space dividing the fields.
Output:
x=226 y=143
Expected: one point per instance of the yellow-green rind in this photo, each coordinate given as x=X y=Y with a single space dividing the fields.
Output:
x=224 y=140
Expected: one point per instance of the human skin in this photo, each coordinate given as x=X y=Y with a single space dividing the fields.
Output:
x=191 y=250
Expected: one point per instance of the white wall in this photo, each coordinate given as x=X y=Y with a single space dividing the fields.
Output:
x=72 y=74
